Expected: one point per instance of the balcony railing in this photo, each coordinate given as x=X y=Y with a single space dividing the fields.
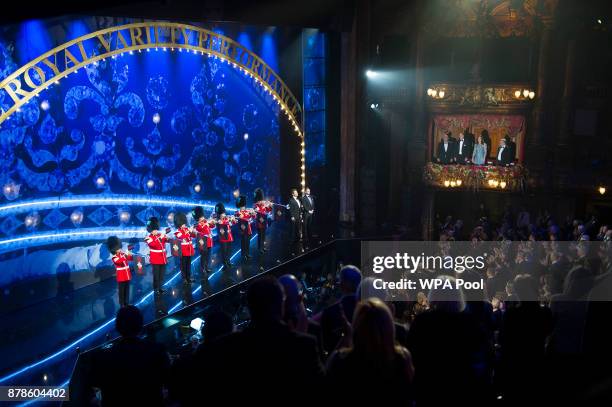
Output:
x=476 y=177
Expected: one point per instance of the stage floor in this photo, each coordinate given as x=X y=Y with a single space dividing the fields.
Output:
x=39 y=343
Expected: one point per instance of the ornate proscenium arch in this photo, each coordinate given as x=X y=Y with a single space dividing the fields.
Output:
x=54 y=65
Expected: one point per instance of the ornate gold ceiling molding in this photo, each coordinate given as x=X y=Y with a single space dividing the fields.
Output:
x=489 y=18
x=479 y=96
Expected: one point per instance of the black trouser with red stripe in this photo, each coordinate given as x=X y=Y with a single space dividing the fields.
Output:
x=186 y=268
x=225 y=256
x=124 y=292
x=245 y=241
x=261 y=239
x=205 y=259
x=159 y=270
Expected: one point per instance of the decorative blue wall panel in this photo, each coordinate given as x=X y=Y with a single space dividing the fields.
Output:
x=313 y=50
x=175 y=125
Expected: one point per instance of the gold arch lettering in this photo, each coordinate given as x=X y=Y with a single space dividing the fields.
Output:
x=50 y=67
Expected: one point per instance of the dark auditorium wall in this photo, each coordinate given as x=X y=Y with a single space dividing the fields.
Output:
x=568 y=142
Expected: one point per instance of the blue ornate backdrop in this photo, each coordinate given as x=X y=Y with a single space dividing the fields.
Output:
x=178 y=126
x=151 y=122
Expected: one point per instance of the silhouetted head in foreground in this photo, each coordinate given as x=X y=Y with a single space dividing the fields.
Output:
x=265 y=300
x=218 y=324
x=129 y=321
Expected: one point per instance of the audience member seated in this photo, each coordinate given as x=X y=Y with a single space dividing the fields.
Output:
x=336 y=318
x=133 y=371
x=294 y=312
x=267 y=358
x=523 y=336
x=373 y=367
x=569 y=310
x=366 y=290
x=451 y=355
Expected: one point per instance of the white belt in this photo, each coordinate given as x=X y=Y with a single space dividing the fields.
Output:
x=186 y=244
x=123 y=268
x=156 y=251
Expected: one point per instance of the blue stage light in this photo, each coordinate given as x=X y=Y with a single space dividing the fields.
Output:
x=95 y=200
x=73 y=344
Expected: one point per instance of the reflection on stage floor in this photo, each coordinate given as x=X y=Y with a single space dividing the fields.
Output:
x=40 y=342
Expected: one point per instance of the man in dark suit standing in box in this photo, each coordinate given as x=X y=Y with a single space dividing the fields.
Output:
x=445 y=150
x=504 y=156
x=511 y=144
x=463 y=150
x=295 y=213
x=308 y=204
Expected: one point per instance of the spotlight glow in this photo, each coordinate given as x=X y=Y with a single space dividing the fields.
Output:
x=44 y=105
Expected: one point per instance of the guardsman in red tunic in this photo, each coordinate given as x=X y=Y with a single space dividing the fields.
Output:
x=184 y=234
x=244 y=216
x=224 y=231
x=205 y=243
x=120 y=260
x=156 y=240
x=262 y=209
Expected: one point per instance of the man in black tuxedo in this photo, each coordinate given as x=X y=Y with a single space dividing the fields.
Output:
x=295 y=212
x=511 y=146
x=463 y=150
x=504 y=156
x=446 y=150
x=267 y=357
x=308 y=205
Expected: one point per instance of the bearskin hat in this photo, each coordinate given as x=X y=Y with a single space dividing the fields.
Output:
x=198 y=213
x=113 y=243
x=152 y=224
x=219 y=209
x=258 y=194
x=241 y=201
x=180 y=219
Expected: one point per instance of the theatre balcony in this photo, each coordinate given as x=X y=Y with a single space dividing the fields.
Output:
x=512 y=178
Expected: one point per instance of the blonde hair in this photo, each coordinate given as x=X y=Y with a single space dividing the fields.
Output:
x=374 y=331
